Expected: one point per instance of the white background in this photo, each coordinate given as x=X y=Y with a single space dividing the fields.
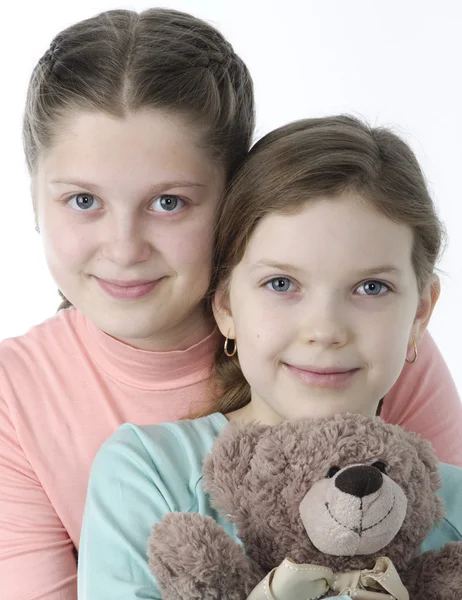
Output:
x=395 y=63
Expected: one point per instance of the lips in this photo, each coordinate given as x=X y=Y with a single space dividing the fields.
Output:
x=127 y=283
x=327 y=377
x=323 y=370
x=127 y=289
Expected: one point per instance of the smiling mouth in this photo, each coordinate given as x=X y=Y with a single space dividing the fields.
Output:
x=128 y=283
x=360 y=530
x=330 y=377
x=127 y=290
x=323 y=370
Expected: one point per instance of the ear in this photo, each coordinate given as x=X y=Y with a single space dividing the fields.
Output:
x=33 y=195
x=428 y=300
x=428 y=457
x=222 y=314
x=429 y=462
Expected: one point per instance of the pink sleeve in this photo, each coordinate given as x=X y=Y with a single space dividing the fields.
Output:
x=36 y=554
x=425 y=400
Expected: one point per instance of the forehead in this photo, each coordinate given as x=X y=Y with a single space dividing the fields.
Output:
x=331 y=230
x=148 y=140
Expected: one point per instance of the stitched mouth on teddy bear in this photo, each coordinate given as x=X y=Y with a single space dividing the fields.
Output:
x=360 y=529
x=357 y=512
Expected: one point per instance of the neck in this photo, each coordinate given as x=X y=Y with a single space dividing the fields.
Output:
x=257 y=410
x=182 y=337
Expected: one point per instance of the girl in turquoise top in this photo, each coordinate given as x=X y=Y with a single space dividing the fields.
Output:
x=323 y=286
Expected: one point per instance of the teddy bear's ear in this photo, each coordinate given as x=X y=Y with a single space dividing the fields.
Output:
x=426 y=454
x=230 y=461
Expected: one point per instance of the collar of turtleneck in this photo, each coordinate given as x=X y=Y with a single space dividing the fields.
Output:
x=144 y=369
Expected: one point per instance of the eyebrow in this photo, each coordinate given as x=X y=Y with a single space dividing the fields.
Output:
x=164 y=185
x=273 y=264
x=386 y=269
x=366 y=272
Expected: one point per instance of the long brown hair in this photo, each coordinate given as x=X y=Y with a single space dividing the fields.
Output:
x=121 y=61
x=308 y=159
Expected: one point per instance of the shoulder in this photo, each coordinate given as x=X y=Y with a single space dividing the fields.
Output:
x=30 y=361
x=451 y=495
x=450 y=492
x=40 y=340
x=168 y=455
x=198 y=433
x=425 y=400
x=185 y=434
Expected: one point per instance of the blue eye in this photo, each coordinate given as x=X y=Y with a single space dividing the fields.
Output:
x=84 y=202
x=372 y=288
x=280 y=284
x=168 y=203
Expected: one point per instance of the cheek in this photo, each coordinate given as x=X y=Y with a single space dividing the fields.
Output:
x=66 y=245
x=385 y=342
x=188 y=249
x=260 y=332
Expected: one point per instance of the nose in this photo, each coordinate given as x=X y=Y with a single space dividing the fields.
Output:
x=359 y=481
x=325 y=325
x=126 y=243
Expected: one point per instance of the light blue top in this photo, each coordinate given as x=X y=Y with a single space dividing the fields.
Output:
x=142 y=473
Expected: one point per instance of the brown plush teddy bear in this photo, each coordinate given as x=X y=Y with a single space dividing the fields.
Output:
x=327 y=507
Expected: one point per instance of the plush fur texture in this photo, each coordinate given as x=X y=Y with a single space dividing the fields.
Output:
x=261 y=478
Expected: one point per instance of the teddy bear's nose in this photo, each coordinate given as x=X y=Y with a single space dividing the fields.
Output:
x=359 y=481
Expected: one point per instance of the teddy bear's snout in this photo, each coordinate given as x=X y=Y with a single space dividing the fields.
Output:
x=359 y=480
x=357 y=511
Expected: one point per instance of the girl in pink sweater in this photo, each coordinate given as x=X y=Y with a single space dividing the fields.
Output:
x=133 y=126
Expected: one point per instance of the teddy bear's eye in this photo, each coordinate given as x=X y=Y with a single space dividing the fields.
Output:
x=332 y=472
x=381 y=466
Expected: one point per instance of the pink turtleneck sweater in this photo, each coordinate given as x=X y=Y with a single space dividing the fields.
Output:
x=66 y=386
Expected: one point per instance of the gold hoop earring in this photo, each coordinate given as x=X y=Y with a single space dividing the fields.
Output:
x=225 y=347
x=416 y=354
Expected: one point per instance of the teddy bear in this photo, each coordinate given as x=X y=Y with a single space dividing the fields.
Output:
x=322 y=508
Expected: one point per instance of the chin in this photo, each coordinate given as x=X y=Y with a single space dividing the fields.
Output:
x=124 y=323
